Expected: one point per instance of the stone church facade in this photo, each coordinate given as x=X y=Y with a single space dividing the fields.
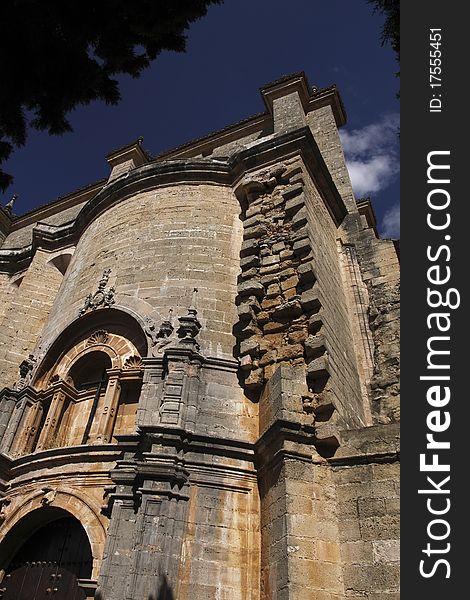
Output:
x=199 y=374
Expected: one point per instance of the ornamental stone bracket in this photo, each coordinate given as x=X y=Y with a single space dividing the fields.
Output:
x=4 y=503
x=103 y=297
x=49 y=495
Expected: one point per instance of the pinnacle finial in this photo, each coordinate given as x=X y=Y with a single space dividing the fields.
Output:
x=193 y=300
x=9 y=205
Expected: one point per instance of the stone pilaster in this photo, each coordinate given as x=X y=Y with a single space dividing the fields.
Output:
x=299 y=531
x=109 y=411
x=51 y=424
x=26 y=435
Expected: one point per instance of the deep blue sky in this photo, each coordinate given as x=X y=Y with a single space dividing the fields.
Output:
x=231 y=53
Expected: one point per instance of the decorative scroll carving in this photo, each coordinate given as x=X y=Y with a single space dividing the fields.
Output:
x=4 y=503
x=103 y=296
x=49 y=496
x=98 y=337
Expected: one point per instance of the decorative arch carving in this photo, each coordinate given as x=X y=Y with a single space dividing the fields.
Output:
x=86 y=388
x=118 y=348
x=119 y=321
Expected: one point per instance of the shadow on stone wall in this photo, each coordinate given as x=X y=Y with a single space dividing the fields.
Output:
x=164 y=591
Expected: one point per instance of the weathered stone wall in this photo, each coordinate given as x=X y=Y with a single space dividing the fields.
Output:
x=222 y=408
x=27 y=313
x=342 y=360
x=380 y=271
x=8 y=290
x=220 y=555
x=159 y=246
x=366 y=474
x=325 y=131
x=291 y=294
x=299 y=517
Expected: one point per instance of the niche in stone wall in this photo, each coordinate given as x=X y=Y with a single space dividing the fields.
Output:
x=89 y=378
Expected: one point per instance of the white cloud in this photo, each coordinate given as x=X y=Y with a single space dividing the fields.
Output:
x=372 y=155
x=372 y=175
x=390 y=227
x=373 y=138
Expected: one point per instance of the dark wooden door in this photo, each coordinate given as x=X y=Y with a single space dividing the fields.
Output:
x=41 y=581
x=49 y=564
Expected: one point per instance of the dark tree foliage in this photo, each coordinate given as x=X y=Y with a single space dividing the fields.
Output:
x=59 y=54
x=391 y=27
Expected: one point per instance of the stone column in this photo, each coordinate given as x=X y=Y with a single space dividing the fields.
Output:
x=7 y=405
x=52 y=422
x=110 y=406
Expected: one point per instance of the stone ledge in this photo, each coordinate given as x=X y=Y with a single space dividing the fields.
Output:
x=381 y=442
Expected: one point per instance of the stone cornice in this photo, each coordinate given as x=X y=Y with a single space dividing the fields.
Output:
x=53 y=458
x=206 y=144
x=59 y=204
x=265 y=153
x=262 y=154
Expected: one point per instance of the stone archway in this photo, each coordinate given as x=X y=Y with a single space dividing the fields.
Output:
x=39 y=508
x=47 y=553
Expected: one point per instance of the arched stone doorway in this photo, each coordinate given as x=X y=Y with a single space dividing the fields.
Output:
x=47 y=555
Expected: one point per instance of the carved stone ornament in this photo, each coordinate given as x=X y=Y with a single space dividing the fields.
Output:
x=133 y=362
x=26 y=371
x=56 y=378
x=4 y=502
x=189 y=325
x=49 y=496
x=161 y=337
x=103 y=297
x=98 y=337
